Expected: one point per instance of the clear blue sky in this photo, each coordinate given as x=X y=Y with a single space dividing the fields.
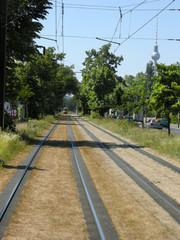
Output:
x=84 y=20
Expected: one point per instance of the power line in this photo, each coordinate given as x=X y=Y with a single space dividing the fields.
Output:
x=100 y=7
x=106 y=38
x=144 y=24
x=123 y=10
x=55 y=40
x=111 y=8
x=130 y=16
x=107 y=41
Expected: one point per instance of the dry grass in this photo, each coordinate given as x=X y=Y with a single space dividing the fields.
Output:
x=134 y=214
x=152 y=138
x=49 y=207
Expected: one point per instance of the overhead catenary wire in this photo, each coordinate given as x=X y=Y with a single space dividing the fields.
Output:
x=124 y=14
x=144 y=24
x=104 y=38
x=98 y=7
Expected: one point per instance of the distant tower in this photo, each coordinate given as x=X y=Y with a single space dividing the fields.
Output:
x=155 y=55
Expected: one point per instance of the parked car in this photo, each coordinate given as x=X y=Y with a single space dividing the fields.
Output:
x=164 y=122
x=119 y=116
x=130 y=119
x=153 y=123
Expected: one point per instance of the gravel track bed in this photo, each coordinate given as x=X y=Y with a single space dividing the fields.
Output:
x=133 y=213
x=161 y=176
x=49 y=207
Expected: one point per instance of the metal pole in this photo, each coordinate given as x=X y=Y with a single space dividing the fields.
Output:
x=3 y=23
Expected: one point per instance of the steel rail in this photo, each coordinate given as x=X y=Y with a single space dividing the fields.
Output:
x=88 y=196
x=41 y=142
x=170 y=205
x=104 y=232
x=157 y=159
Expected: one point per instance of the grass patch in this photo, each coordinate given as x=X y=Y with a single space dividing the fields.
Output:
x=152 y=138
x=33 y=128
x=12 y=143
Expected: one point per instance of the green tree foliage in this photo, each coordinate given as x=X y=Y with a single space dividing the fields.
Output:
x=165 y=98
x=127 y=99
x=129 y=79
x=99 y=80
x=150 y=71
x=23 y=27
x=43 y=82
x=70 y=103
x=137 y=90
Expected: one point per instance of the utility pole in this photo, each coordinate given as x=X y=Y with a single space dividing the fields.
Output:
x=62 y=32
x=3 y=23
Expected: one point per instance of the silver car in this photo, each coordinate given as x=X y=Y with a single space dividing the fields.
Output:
x=153 y=123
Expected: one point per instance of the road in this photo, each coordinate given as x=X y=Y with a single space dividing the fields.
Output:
x=174 y=128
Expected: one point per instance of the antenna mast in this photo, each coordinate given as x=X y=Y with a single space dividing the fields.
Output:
x=155 y=55
x=156 y=29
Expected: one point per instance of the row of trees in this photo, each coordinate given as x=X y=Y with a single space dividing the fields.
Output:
x=39 y=81
x=101 y=87
x=157 y=91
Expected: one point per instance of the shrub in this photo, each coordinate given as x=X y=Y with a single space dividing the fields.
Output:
x=9 y=122
x=12 y=142
x=95 y=115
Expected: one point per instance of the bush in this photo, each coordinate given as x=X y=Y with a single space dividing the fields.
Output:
x=12 y=142
x=174 y=119
x=9 y=122
x=95 y=115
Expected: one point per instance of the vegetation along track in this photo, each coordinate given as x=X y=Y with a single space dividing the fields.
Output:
x=131 y=196
x=168 y=203
x=139 y=149
x=11 y=193
x=98 y=223
x=161 y=181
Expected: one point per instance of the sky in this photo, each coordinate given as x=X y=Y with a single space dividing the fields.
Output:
x=132 y=23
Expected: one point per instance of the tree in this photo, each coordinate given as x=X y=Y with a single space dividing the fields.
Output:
x=150 y=72
x=43 y=82
x=23 y=27
x=140 y=91
x=99 y=78
x=137 y=90
x=165 y=98
x=128 y=99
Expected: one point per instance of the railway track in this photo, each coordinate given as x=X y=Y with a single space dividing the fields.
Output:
x=166 y=202
x=98 y=223
x=100 y=215
x=11 y=193
x=155 y=158
x=98 y=218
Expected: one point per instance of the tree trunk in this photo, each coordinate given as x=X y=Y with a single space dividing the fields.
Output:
x=143 y=116
x=169 y=131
